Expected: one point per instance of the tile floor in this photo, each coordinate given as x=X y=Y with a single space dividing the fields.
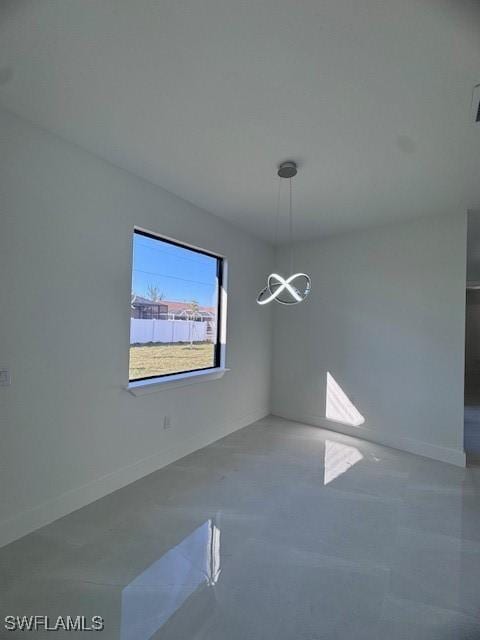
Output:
x=279 y=531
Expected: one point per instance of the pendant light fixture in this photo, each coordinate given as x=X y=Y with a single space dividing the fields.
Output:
x=296 y=287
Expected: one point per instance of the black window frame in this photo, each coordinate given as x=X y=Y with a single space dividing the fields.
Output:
x=217 y=361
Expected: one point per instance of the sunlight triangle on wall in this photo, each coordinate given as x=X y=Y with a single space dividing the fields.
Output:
x=339 y=407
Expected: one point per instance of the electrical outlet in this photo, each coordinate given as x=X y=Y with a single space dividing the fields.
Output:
x=5 y=379
x=167 y=422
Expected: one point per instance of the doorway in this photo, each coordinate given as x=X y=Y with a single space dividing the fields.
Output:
x=472 y=342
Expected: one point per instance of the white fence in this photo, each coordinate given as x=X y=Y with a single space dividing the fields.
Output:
x=142 y=331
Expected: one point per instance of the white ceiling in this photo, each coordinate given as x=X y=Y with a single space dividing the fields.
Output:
x=204 y=97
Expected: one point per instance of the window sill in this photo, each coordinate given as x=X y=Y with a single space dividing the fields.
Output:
x=142 y=387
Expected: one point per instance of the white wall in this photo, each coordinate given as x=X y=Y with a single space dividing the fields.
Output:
x=386 y=319
x=69 y=431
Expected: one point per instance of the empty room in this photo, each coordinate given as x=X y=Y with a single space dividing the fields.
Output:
x=239 y=328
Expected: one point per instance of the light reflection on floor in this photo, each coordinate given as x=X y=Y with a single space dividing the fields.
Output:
x=152 y=598
x=338 y=459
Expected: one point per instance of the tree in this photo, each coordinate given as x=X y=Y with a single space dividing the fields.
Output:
x=154 y=293
x=193 y=311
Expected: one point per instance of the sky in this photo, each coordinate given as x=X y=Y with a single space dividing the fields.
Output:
x=180 y=274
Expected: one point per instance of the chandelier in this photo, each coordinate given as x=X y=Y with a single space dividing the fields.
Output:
x=296 y=287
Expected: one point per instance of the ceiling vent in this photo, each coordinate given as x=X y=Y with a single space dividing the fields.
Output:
x=476 y=104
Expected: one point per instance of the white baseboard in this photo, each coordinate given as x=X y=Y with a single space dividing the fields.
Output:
x=27 y=521
x=410 y=445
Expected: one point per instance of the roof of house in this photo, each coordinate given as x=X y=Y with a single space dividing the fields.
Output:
x=142 y=300
x=174 y=306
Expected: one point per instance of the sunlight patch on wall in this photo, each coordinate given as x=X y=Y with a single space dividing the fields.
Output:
x=339 y=407
x=338 y=459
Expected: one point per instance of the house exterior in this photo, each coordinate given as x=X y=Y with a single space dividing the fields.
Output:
x=144 y=309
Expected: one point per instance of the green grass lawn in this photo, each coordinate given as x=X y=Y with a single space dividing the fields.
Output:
x=159 y=359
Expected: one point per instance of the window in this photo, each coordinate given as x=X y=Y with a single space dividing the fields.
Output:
x=175 y=307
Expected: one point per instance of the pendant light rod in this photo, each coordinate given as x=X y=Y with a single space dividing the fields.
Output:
x=291 y=224
x=289 y=170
